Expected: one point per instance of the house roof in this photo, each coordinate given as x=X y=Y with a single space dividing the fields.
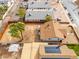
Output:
x=37 y=4
x=38 y=14
x=39 y=0
x=50 y=29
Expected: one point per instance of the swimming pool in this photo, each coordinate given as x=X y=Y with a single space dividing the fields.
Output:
x=52 y=49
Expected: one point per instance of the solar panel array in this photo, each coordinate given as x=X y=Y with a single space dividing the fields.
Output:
x=38 y=10
x=37 y=15
x=35 y=5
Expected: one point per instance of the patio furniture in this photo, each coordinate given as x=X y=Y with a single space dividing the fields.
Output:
x=14 y=48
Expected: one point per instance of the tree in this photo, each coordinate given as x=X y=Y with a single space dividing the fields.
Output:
x=21 y=12
x=16 y=30
x=48 y=18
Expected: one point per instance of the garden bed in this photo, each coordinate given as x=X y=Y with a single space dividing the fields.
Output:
x=75 y=47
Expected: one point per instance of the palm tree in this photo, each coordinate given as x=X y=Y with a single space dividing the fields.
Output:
x=20 y=27
x=16 y=30
x=48 y=18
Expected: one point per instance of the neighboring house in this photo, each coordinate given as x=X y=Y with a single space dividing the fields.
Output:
x=51 y=32
x=37 y=10
x=37 y=14
x=39 y=5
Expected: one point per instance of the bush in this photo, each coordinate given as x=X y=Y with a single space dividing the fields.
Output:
x=48 y=18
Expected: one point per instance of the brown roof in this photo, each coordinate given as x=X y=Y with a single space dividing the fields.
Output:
x=50 y=29
x=77 y=2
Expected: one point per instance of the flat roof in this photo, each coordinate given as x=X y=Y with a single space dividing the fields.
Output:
x=37 y=4
x=51 y=29
x=38 y=14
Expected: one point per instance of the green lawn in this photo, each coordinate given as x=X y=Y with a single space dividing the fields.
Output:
x=75 y=47
x=21 y=12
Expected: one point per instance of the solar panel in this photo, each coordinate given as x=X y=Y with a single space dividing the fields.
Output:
x=34 y=5
x=38 y=14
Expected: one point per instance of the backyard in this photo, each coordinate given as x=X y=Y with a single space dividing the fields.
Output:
x=75 y=47
x=29 y=34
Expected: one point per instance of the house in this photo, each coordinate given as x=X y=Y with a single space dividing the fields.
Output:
x=37 y=14
x=39 y=5
x=37 y=10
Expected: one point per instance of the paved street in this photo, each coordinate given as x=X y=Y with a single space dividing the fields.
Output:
x=72 y=9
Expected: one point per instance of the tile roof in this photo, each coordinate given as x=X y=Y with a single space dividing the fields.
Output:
x=50 y=29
